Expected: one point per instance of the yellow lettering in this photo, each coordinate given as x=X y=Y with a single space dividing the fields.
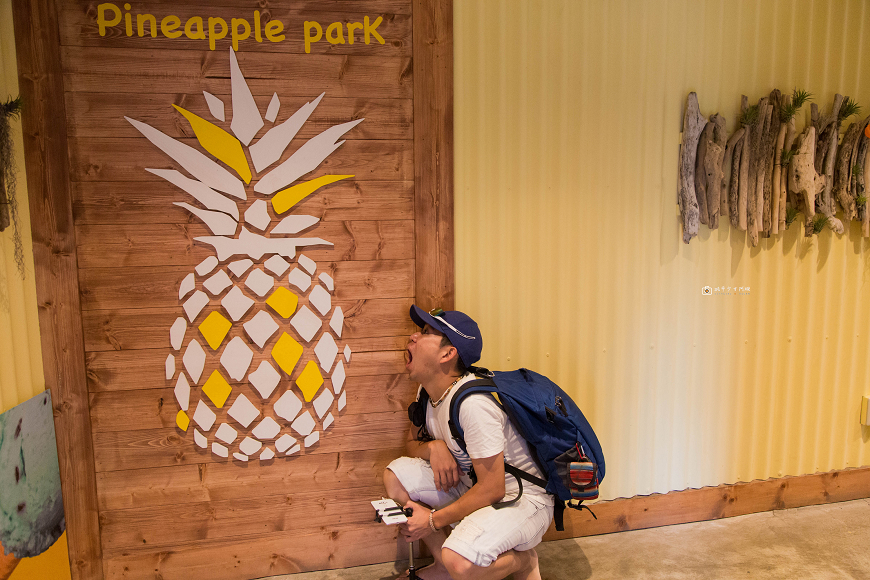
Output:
x=213 y=35
x=273 y=31
x=372 y=29
x=101 y=17
x=257 y=26
x=192 y=34
x=335 y=33
x=128 y=21
x=350 y=28
x=168 y=25
x=141 y=19
x=237 y=36
x=309 y=40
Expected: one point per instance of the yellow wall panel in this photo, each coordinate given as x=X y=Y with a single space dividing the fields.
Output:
x=569 y=251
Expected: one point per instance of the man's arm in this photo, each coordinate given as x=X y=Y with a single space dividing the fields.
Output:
x=488 y=490
x=438 y=455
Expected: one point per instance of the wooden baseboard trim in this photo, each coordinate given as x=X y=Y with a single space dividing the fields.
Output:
x=711 y=503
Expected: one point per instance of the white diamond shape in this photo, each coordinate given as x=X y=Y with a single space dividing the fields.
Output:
x=237 y=358
x=347 y=352
x=327 y=279
x=176 y=333
x=239 y=267
x=323 y=402
x=260 y=282
x=292 y=450
x=261 y=328
x=307 y=263
x=258 y=215
x=268 y=428
x=342 y=401
x=326 y=351
x=327 y=423
x=219 y=450
x=206 y=266
x=199 y=439
x=203 y=416
x=250 y=446
x=194 y=305
x=306 y=323
x=194 y=360
x=170 y=367
x=226 y=433
x=243 y=411
x=338 y=377
x=304 y=424
x=240 y=456
x=284 y=442
x=236 y=303
x=337 y=321
x=188 y=284
x=299 y=279
x=182 y=392
x=312 y=439
x=217 y=283
x=267 y=454
x=288 y=406
x=320 y=299
x=264 y=379
x=277 y=265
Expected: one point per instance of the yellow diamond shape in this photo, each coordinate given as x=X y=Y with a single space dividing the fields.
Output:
x=217 y=389
x=309 y=381
x=214 y=328
x=286 y=352
x=182 y=420
x=283 y=302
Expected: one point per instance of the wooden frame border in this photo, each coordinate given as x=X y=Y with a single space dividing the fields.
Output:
x=713 y=503
x=433 y=153
x=43 y=119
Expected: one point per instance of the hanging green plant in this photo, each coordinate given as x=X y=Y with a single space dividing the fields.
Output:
x=8 y=203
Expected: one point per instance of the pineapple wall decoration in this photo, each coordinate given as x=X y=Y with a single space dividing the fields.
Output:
x=254 y=280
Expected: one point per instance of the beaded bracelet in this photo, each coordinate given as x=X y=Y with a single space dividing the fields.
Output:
x=431 y=522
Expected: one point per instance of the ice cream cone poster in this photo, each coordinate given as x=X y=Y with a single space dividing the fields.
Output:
x=31 y=505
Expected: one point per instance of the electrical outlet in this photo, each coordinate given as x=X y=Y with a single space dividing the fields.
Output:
x=865 y=411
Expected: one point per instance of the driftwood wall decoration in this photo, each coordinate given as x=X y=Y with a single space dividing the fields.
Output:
x=763 y=175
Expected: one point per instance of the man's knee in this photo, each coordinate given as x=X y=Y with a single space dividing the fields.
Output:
x=392 y=484
x=458 y=566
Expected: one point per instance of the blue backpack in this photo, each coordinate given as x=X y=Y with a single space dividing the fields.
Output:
x=559 y=437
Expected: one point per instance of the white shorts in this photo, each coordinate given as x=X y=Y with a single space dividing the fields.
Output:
x=487 y=533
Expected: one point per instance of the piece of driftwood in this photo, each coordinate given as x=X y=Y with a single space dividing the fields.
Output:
x=856 y=162
x=713 y=160
x=803 y=179
x=756 y=175
x=824 y=131
x=842 y=188
x=693 y=125
x=704 y=141
x=733 y=149
x=787 y=197
x=830 y=161
x=771 y=130
x=865 y=229
x=743 y=185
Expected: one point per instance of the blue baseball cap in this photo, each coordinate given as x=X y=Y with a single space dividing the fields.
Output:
x=462 y=332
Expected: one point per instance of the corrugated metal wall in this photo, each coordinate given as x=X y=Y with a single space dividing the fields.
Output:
x=20 y=349
x=569 y=248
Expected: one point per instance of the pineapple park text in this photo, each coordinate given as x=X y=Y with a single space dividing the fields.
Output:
x=109 y=15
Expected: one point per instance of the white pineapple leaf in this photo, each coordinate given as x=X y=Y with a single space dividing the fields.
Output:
x=293 y=224
x=269 y=148
x=200 y=191
x=305 y=159
x=246 y=116
x=219 y=223
x=256 y=246
x=194 y=162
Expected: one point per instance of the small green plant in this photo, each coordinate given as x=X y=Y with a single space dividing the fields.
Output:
x=749 y=116
x=819 y=222
x=787 y=155
x=798 y=99
x=9 y=111
x=849 y=108
x=861 y=201
x=790 y=215
x=857 y=170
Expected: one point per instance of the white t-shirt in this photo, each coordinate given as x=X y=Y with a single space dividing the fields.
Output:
x=487 y=432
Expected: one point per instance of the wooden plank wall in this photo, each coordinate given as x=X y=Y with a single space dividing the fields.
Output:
x=166 y=508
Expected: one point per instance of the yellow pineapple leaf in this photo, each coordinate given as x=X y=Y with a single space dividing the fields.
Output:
x=287 y=198
x=283 y=301
x=217 y=388
x=219 y=143
x=309 y=381
x=182 y=420
x=287 y=352
x=214 y=329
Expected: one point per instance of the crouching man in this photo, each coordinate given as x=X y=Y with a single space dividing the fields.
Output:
x=486 y=543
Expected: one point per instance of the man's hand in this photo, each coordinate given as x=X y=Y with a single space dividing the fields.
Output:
x=417 y=526
x=444 y=466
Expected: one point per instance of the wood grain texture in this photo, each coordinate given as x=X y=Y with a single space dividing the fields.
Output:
x=711 y=503
x=54 y=251
x=81 y=29
x=119 y=203
x=192 y=72
x=433 y=151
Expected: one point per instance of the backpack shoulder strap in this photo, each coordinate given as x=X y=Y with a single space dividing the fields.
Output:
x=486 y=386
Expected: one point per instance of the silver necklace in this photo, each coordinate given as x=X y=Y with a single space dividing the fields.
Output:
x=450 y=388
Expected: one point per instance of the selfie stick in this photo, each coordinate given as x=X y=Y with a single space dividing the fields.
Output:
x=412 y=572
